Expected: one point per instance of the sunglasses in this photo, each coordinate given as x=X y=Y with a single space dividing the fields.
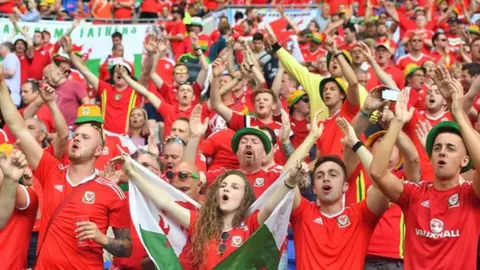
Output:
x=223 y=246
x=176 y=140
x=305 y=99
x=183 y=175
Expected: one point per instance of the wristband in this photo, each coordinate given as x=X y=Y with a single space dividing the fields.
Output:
x=337 y=54
x=287 y=185
x=276 y=47
x=364 y=115
x=357 y=145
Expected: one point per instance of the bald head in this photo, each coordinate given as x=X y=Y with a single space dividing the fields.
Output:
x=53 y=75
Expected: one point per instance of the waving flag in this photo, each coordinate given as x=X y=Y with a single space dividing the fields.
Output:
x=262 y=248
x=162 y=238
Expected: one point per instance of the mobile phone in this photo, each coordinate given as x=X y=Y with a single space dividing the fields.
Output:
x=390 y=94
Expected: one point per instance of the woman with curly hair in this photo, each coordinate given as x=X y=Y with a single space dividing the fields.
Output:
x=222 y=225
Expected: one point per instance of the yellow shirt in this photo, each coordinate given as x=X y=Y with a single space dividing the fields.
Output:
x=311 y=83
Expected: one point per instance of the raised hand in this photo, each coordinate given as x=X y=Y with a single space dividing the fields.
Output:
x=331 y=45
x=13 y=166
x=66 y=43
x=111 y=173
x=47 y=92
x=374 y=100
x=280 y=9
x=230 y=42
x=350 y=138
x=120 y=71
x=125 y=160
x=270 y=37
x=28 y=177
x=151 y=44
x=194 y=39
x=316 y=128
x=421 y=130
x=365 y=50
x=402 y=113
x=76 y=23
x=457 y=97
x=286 y=129
x=218 y=67
x=152 y=146
x=297 y=174
x=2 y=76
x=441 y=77
x=197 y=128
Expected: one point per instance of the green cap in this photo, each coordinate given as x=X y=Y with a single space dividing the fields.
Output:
x=442 y=127
x=267 y=144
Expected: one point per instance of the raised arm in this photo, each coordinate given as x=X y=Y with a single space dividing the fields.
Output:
x=469 y=135
x=159 y=197
x=24 y=33
x=202 y=75
x=197 y=130
x=30 y=147
x=411 y=164
x=381 y=74
x=289 y=21
x=47 y=93
x=12 y=168
x=295 y=176
x=277 y=82
x=78 y=63
x=156 y=102
x=388 y=183
x=215 y=98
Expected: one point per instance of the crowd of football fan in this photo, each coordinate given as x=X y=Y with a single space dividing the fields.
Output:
x=375 y=120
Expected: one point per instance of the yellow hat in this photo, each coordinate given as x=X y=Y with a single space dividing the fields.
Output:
x=6 y=148
x=411 y=68
x=295 y=97
x=89 y=113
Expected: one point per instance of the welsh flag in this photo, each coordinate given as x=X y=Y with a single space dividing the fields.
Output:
x=164 y=240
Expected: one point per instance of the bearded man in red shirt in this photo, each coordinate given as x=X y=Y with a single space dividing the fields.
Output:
x=78 y=205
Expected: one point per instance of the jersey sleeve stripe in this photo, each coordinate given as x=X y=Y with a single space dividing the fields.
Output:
x=27 y=204
x=113 y=186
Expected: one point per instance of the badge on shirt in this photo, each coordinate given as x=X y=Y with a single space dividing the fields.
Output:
x=436 y=225
x=237 y=241
x=343 y=221
x=106 y=151
x=118 y=97
x=88 y=197
x=453 y=201
x=259 y=182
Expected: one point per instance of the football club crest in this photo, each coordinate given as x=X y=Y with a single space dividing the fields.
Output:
x=89 y=197
x=106 y=151
x=86 y=111
x=453 y=201
x=343 y=221
x=259 y=182
x=118 y=97
x=237 y=241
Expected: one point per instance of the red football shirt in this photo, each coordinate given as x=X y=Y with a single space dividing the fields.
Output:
x=15 y=236
x=309 y=56
x=337 y=241
x=329 y=143
x=409 y=129
x=215 y=121
x=3 y=136
x=169 y=93
x=441 y=226
x=116 y=106
x=41 y=58
x=171 y=113
x=217 y=148
x=24 y=67
x=123 y=12
x=260 y=180
x=45 y=115
x=392 y=71
x=417 y=97
x=358 y=184
x=178 y=28
x=300 y=129
x=240 y=121
x=103 y=203
x=404 y=60
x=238 y=236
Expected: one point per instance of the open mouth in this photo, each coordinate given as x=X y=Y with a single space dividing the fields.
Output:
x=327 y=188
x=248 y=153
x=184 y=189
x=75 y=146
x=225 y=197
x=441 y=163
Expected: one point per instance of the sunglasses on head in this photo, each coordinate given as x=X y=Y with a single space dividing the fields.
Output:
x=176 y=140
x=183 y=175
x=223 y=246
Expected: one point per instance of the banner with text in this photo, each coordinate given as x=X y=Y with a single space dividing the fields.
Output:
x=93 y=40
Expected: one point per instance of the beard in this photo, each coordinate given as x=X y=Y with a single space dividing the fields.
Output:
x=81 y=157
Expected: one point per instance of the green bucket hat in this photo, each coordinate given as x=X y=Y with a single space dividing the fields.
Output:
x=340 y=82
x=267 y=144
x=442 y=127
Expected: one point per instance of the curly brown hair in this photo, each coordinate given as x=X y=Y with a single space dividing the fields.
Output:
x=209 y=224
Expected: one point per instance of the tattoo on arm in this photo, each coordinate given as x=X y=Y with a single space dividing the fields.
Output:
x=288 y=149
x=121 y=245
